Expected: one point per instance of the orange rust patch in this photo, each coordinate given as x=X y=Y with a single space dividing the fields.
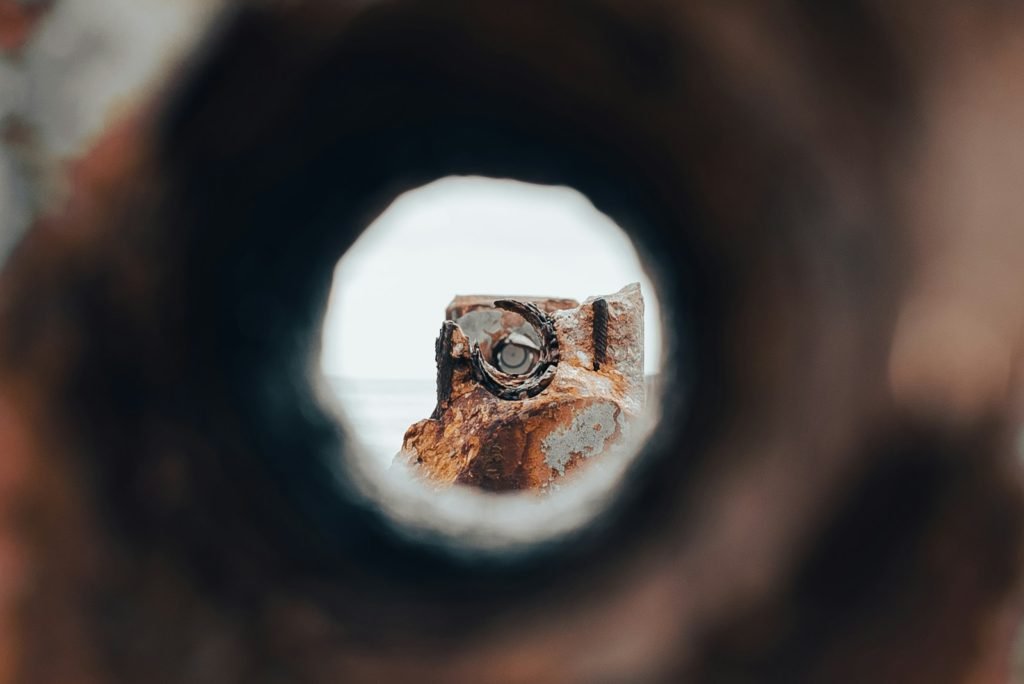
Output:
x=17 y=23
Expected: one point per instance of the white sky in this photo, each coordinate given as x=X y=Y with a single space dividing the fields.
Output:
x=468 y=236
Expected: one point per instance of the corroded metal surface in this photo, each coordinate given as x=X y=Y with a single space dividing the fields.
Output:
x=832 y=188
x=503 y=431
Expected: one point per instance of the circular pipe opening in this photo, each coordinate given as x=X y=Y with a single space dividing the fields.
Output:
x=525 y=426
x=262 y=207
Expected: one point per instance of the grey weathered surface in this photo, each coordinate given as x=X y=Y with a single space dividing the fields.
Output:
x=81 y=65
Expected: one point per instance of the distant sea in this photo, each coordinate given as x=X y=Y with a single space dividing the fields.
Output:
x=380 y=411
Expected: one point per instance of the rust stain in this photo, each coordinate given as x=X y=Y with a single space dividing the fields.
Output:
x=17 y=21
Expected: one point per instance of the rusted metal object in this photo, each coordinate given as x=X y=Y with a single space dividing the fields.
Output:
x=530 y=389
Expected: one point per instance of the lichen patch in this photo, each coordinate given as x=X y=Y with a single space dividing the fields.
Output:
x=585 y=436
